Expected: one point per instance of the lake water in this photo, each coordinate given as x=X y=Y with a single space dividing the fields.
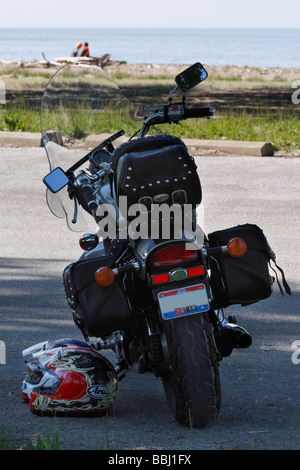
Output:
x=252 y=47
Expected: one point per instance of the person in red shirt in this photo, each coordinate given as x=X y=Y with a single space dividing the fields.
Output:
x=84 y=50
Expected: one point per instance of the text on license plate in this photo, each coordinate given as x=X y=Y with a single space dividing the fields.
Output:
x=184 y=301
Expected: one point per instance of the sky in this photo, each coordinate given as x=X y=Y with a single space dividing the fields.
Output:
x=153 y=13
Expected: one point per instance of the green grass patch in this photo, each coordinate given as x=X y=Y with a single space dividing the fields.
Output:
x=48 y=441
x=19 y=119
x=283 y=130
x=17 y=78
x=107 y=438
x=230 y=82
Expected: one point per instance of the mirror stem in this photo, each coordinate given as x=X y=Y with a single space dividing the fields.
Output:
x=172 y=93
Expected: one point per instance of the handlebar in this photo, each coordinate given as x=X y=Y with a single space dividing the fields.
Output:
x=106 y=143
x=172 y=113
x=198 y=112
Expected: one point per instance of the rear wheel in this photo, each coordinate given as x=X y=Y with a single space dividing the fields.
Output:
x=191 y=383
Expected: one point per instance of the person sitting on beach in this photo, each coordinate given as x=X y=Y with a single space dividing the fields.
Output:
x=84 y=50
x=75 y=51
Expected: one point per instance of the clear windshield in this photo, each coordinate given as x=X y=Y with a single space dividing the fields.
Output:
x=80 y=102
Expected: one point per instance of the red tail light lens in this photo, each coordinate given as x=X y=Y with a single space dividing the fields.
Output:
x=160 y=278
x=173 y=255
x=197 y=271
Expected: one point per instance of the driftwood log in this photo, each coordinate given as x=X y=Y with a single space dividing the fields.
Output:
x=99 y=61
x=86 y=61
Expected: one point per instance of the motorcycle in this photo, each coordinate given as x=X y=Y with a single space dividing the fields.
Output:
x=150 y=285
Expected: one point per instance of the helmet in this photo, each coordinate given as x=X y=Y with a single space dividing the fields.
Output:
x=68 y=376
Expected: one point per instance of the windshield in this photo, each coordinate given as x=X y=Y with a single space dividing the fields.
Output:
x=81 y=107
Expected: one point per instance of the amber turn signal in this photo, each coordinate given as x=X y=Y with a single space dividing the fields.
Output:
x=104 y=277
x=236 y=247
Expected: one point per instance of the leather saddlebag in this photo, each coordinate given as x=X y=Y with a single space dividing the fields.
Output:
x=97 y=310
x=244 y=280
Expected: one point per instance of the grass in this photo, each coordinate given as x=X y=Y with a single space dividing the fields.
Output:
x=17 y=78
x=216 y=81
x=19 y=120
x=45 y=442
x=108 y=437
x=240 y=82
x=283 y=130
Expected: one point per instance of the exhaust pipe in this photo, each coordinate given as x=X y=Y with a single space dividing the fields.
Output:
x=242 y=339
x=232 y=336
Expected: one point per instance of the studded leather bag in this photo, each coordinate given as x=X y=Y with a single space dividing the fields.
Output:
x=156 y=167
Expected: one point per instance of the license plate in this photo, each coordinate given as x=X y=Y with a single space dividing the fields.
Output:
x=184 y=301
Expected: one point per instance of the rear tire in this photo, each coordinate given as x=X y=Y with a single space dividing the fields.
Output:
x=191 y=383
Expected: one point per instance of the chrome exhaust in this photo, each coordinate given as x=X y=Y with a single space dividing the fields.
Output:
x=241 y=337
x=232 y=336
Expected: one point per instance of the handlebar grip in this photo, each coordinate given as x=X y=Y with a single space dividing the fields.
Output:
x=198 y=112
x=87 y=197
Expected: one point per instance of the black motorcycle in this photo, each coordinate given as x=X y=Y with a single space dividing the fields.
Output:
x=150 y=285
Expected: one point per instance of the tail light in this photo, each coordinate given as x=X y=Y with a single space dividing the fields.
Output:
x=197 y=271
x=177 y=275
x=173 y=255
x=160 y=278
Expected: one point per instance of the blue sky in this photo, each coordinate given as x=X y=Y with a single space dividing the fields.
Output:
x=154 y=13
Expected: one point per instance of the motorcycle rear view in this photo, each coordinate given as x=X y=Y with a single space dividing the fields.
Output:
x=150 y=285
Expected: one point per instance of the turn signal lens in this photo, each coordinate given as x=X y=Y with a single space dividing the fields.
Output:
x=236 y=247
x=104 y=277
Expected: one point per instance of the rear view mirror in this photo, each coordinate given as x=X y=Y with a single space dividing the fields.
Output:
x=56 y=180
x=191 y=77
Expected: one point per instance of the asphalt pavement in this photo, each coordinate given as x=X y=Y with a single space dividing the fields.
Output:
x=260 y=385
